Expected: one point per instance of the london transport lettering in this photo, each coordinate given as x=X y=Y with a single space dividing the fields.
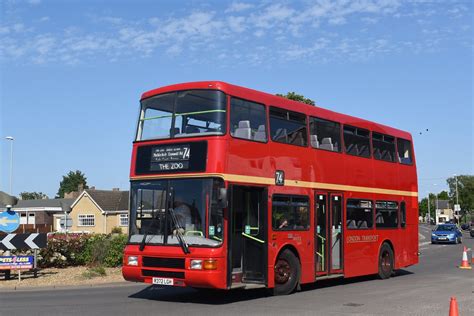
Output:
x=366 y=238
x=170 y=157
x=16 y=262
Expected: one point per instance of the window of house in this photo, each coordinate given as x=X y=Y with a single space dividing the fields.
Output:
x=288 y=127
x=383 y=147
x=325 y=134
x=248 y=120
x=386 y=214
x=404 y=151
x=290 y=213
x=359 y=214
x=123 y=219
x=86 y=220
x=403 y=215
x=357 y=141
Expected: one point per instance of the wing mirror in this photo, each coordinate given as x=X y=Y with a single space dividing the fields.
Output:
x=222 y=197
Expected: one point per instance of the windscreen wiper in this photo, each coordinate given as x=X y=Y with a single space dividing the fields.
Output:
x=179 y=234
x=153 y=222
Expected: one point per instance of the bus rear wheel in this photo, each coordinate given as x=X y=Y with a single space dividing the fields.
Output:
x=287 y=273
x=385 y=261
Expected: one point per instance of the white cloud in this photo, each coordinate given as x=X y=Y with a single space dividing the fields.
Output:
x=238 y=7
x=270 y=31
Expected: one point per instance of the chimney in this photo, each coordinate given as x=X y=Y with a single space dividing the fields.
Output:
x=115 y=189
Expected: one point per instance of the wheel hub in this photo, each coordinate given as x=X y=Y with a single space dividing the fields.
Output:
x=282 y=271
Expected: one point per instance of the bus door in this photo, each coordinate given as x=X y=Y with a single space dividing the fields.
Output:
x=328 y=234
x=248 y=241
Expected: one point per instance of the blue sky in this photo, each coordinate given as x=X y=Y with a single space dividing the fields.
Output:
x=72 y=73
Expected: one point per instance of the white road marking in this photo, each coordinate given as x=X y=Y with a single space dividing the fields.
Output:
x=421 y=236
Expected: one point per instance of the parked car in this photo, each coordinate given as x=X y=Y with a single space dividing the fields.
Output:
x=446 y=233
x=471 y=231
x=465 y=226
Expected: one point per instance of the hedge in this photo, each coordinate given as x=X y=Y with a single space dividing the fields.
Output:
x=92 y=250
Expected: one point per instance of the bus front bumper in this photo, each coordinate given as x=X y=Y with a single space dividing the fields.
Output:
x=176 y=271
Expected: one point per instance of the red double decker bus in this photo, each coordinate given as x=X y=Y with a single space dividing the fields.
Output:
x=232 y=187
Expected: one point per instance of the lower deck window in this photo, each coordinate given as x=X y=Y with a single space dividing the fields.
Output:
x=359 y=214
x=290 y=213
x=386 y=215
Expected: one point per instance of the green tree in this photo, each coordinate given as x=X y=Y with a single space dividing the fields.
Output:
x=73 y=181
x=465 y=192
x=296 y=97
x=33 y=196
x=423 y=206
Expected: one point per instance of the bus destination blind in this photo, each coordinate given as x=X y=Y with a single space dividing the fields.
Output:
x=173 y=157
x=183 y=157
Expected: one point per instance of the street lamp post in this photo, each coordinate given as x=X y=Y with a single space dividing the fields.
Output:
x=11 y=139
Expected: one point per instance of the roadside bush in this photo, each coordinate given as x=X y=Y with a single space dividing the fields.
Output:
x=61 y=253
x=117 y=230
x=92 y=250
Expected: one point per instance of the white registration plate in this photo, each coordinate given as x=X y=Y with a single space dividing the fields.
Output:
x=442 y=238
x=163 y=281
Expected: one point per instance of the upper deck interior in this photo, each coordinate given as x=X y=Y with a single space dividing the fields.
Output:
x=273 y=100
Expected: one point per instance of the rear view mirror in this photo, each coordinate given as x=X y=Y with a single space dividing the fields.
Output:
x=222 y=198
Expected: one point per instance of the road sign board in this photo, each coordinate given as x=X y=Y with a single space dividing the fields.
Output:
x=17 y=262
x=23 y=241
x=457 y=207
x=9 y=221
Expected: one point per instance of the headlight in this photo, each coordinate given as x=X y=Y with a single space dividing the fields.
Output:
x=132 y=261
x=196 y=264
x=451 y=235
x=433 y=235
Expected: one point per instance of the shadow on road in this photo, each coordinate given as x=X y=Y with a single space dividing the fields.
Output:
x=337 y=282
x=222 y=297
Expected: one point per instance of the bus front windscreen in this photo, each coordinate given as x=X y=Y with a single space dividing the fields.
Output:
x=182 y=114
x=165 y=211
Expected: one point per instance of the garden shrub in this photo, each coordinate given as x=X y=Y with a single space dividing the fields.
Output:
x=92 y=250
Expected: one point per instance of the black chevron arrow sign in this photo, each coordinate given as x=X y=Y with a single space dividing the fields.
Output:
x=23 y=241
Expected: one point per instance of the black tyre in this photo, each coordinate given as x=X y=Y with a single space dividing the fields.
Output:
x=386 y=261
x=287 y=273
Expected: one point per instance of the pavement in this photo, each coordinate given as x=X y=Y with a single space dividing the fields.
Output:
x=424 y=289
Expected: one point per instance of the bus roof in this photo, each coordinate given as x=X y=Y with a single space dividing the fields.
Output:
x=273 y=100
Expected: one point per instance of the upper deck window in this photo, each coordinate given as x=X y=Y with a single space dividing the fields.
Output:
x=248 y=120
x=325 y=134
x=404 y=151
x=384 y=147
x=183 y=114
x=288 y=127
x=357 y=141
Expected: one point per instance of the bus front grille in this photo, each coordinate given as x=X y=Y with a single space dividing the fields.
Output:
x=154 y=262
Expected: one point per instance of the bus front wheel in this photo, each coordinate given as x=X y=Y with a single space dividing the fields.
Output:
x=287 y=273
x=385 y=261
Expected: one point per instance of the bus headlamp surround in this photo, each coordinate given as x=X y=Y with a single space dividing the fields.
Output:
x=132 y=261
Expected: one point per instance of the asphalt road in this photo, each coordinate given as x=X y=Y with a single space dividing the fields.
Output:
x=424 y=289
